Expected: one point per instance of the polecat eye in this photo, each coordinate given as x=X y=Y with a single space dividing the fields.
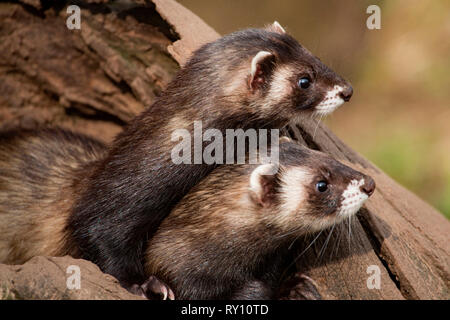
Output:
x=304 y=82
x=322 y=186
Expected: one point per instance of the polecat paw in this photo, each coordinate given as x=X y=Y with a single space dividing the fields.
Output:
x=153 y=289
x=301 y=287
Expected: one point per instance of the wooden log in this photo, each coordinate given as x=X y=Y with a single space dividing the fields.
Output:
x=48 y=278
x=97 y=78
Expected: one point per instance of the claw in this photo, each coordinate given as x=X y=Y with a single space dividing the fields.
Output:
x=171 y=295
x=151 y=288
x=164 y=292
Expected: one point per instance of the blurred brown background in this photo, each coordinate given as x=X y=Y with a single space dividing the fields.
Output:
x=399 y=116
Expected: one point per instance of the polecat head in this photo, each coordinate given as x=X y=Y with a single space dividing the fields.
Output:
x=311 y=191
x=268 y=71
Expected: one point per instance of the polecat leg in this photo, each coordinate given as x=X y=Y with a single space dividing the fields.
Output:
x=153 y=289
x=300 y=287
x=254 y=290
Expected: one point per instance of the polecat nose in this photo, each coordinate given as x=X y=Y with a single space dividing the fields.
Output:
x=369 y=186
x=346 y=93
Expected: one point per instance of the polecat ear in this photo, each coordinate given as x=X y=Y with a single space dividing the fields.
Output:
x=263 y=183
x=276 y=27
x=262 y=64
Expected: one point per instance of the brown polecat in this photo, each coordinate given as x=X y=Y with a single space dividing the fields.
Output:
x=40 y=176
x=256 y=78
x=228 y=238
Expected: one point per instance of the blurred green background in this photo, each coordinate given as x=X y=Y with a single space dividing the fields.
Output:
x=399 y=116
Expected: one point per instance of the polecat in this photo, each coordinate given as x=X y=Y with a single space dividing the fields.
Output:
x=256 y=78
x=228 y=238
x=40 y=176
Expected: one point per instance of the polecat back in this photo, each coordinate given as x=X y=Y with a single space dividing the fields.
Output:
x=228 y=237
x=40 y=172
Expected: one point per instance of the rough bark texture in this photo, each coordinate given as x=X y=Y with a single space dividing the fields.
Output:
x=96 y=79
x=47 y=278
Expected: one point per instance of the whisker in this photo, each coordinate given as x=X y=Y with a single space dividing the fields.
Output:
x=338 y=241
x=289 y=233
x=318 y=122
x=301 y=254
x=324 y=246
x=309 y=246
x=349 y=232
x=292 y=243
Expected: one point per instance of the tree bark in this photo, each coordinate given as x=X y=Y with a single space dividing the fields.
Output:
x=62 y=278
x=96 y=79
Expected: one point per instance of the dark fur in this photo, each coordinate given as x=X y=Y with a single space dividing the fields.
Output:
x=136 y=185
x=200 y=256
x=114 y=202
